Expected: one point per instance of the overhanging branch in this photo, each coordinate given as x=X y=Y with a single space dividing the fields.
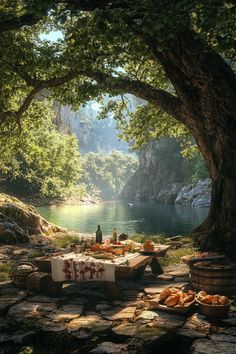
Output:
x=120 y=84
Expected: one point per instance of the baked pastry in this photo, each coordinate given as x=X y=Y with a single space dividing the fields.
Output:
x=148 y=246
x=223 y=300
x=172 y=300
x=164 y=294
x=188 y=298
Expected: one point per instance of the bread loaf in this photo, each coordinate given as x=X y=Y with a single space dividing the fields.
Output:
x=164 y=294
x=172 y=300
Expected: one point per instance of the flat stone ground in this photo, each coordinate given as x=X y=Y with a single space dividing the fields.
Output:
x=84 y=320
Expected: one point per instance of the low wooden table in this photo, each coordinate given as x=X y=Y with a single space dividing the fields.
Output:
x=133 y=270
x=159 y=251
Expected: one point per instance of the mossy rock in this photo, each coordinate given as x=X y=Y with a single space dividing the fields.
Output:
x=11 y=232
x=19 y=220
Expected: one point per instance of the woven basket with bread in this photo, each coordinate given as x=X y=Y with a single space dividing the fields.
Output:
x=213 y=306
x=174 y=300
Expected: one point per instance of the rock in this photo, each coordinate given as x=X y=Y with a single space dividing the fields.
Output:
x=158 y=288
x=190 y=333
x=29 y=310
x=110 y=348
x=168 y=321
x=102 y=307
x=198 y=323
x=165 y=277
x=11 y=232
x=18 y=220
x=161 y=168
x=119 y=313
x=230 y=320
x=17 y=338
x=169 y=194
x=43 y=299
x=93 y=323
x=66 y=313
x=202 y=346
x=7 y=300
x=223 y=338
x=46 y=325
x=82 y=334
x=180 y=274
x=130 y=286
x=196 y=196
x=131 y=294
x=139 y=330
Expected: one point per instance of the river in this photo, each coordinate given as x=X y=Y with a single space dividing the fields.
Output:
x=141 y=217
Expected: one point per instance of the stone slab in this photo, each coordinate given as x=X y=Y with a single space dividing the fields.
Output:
x=159 y=287
x=208 y=346
x=138 y=330
x=119 y=313
x=93 y=323
x=110 y=348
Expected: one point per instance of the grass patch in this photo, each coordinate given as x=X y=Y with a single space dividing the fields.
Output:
x=36 y=253
x=174 y=256
x=155 y=238
x=163 y=239
x=4 y=271
x=64 y=240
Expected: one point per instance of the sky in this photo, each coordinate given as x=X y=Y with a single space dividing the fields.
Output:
x=52 y=36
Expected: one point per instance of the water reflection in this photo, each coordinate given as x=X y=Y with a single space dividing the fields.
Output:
x=147 y=217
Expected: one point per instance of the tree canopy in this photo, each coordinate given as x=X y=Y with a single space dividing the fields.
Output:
x=106 y=48
x=177 y=55
x=41 y=161
x=107 y=174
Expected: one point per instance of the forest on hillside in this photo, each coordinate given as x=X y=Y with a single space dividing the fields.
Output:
x=46 y=159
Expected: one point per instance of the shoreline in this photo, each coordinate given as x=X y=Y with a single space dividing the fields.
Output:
x=46 y=202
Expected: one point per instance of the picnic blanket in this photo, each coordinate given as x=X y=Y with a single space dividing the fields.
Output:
x=79 y=267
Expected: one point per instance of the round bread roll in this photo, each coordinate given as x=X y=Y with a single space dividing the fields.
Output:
x=223 y=300
x=206 y=299
x=188 y=298
x=164 y=294
x=173 y=290
x=172 y=300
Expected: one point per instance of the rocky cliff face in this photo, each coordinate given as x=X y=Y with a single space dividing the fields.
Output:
x=161 y=166
x=161 y=177
x=198 y=195
x=93 y=134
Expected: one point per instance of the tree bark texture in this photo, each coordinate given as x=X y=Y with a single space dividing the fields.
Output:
x=206 y=86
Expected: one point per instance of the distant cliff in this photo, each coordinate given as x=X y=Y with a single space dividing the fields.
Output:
x=93 y=134
x=160 y=165
x=162 y=176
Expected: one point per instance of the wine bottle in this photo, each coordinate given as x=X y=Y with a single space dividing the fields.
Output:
x=99 y=235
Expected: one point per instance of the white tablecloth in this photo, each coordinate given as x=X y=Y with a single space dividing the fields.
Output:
x=79 y=267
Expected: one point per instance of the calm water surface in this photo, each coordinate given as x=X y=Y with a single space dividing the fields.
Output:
x=142 y=217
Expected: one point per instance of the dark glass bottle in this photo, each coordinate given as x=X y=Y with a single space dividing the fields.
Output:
x=99 y=235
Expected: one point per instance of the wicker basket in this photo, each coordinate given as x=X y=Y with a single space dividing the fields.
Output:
x=213 y=311
x=19 y=274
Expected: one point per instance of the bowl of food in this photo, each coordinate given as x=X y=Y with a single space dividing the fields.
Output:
x=175 y=300
x=213 y=306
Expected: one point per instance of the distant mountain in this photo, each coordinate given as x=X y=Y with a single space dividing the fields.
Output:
x=93 y=134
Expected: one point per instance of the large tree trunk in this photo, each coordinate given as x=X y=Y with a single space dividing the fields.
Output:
x=206 y=86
